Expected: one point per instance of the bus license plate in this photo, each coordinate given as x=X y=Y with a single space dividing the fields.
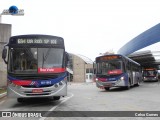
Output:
x=109 y=85
x=37 y=90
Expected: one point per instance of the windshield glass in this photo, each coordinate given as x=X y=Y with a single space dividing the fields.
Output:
x=109 y=68
x=50 y=59
x=29 y=60
x=149 y=73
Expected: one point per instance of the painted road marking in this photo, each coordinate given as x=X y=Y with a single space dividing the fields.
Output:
x=2 y=102
x=3 y=94
x=53 y=108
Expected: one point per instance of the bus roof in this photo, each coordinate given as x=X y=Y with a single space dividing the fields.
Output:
x=34 y=35
x=119 y=55
x=35 y=39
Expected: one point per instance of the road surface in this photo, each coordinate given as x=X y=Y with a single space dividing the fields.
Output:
x=87 y=97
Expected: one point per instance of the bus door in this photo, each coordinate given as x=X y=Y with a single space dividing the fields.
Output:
x=131 y=72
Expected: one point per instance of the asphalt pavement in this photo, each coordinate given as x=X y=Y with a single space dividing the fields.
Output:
x=87 y=97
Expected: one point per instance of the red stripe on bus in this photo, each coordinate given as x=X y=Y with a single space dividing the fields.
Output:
x=51 y=70
x=22 y=82
x=116 y=71
x=102 y=79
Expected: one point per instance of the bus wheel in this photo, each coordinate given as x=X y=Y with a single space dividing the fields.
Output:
x=138 y=83
x=129 y=85
x=106 y=88
x=56 y=97
x=20 y=100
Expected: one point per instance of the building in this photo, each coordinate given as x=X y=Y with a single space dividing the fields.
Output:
x=5 y=33
x=81 y=67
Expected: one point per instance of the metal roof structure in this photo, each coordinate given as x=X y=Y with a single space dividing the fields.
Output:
x=147 y=59
x=82 y=57
x=86 y=59
x=144 y=39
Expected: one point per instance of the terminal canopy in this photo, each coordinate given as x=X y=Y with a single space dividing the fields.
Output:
x=147 y=59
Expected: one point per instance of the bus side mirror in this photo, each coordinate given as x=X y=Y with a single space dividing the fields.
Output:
x=94 y=67
x=66 y=58
x=4 y=54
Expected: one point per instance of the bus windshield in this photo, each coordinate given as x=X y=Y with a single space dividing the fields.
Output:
x=109 y=68
x=149 y=73
x=29 y=60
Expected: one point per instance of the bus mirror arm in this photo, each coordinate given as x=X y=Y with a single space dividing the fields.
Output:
x=66 y=58
x=4 y=54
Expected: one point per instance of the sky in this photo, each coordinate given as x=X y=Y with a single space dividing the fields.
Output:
x=89 y=27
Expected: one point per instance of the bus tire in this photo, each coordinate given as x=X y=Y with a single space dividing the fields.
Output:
x=129 y=85
x=56 y=97
x=20 y=100
x=107 y=88
x=138 y=83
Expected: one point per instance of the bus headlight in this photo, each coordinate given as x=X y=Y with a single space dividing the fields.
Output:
x=56 y=85
x=60 y=83
x=96 y=79
x=122 y=78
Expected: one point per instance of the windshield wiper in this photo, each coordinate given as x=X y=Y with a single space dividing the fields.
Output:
x=45 y=57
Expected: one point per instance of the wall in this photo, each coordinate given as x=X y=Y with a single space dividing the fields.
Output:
x=78 y=69
x=5 y=33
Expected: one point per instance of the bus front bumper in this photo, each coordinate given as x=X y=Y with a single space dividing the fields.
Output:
x=150 y=79
x=117 y=83
x=24 y=92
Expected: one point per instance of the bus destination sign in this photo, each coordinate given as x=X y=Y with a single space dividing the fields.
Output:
x=111 y=57
x=36 y=41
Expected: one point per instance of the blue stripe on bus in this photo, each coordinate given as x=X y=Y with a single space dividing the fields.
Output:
x=117 y=77
x=113 y=78
x=42 y=82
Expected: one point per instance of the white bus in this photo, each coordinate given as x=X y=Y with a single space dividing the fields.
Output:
x=117 y=71
x=36 y=66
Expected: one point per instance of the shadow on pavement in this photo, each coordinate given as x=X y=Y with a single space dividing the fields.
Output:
x=36 y=102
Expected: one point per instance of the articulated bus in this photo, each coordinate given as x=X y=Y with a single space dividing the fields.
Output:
x=150 y=74
x=117 y=71
x=36 y=67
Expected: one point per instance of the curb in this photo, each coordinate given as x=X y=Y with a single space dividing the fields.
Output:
x=3 y=94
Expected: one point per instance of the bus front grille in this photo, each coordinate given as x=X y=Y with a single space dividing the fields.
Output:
x=30 y=92
x=37 y=94
x=34 y=86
